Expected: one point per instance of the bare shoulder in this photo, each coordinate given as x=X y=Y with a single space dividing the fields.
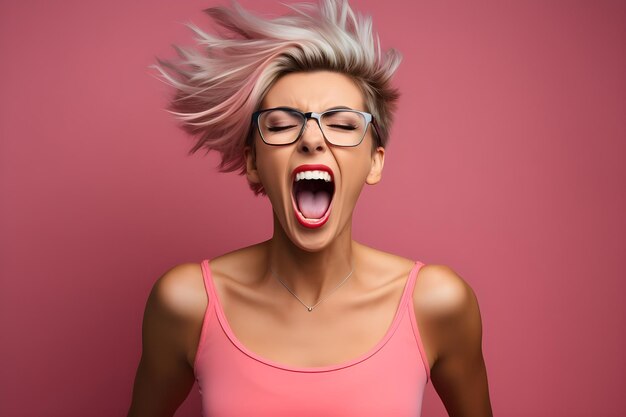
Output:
x=441 y=292
x=180 y=292
x=170 y=332
x=449 y=321
x=447 y=312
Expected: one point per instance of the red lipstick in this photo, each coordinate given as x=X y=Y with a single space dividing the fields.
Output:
x=309 y=167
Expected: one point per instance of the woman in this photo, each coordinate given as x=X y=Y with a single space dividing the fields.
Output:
x=310 y=322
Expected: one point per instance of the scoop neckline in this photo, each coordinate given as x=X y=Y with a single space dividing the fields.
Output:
x=326 y=368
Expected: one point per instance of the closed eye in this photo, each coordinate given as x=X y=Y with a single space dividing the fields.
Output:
x=342 y=127
x=280 y=128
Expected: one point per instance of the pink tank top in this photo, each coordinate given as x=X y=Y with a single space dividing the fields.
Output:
x=388 y=380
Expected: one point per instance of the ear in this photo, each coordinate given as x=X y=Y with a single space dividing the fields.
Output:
x=251 y=172
x=376 y=170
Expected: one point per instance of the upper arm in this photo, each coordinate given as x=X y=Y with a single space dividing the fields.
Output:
x=448 y=313
x=171 y=328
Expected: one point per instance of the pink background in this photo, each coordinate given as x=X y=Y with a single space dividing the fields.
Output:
x=507 y=162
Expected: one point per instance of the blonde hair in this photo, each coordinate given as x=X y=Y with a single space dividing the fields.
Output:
x=220 y=84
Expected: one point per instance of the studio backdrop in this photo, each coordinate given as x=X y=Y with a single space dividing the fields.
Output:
x=506 y=162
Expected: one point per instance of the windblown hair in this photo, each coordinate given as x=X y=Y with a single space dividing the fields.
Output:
x=221 y=84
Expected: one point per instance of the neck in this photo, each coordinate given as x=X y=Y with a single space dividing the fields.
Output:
x=310 y=274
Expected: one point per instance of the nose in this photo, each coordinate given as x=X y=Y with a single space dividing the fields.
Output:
x=312 y=139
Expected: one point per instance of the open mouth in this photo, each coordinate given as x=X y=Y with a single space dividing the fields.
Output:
x=312 y=192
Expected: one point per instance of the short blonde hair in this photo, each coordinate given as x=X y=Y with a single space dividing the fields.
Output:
x=220 y=84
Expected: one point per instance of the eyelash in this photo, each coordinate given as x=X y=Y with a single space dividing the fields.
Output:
x=343 y=127
x=279 y=128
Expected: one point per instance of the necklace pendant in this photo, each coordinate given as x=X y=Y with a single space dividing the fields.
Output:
x=310 y=309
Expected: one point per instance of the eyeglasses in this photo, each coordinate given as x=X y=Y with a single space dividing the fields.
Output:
x=340 y=127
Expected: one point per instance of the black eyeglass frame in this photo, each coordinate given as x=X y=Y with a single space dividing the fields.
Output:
x=369 y=119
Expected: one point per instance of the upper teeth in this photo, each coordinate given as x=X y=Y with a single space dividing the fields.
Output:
x=313 y=175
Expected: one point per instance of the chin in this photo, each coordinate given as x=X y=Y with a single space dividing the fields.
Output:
x=315 y=239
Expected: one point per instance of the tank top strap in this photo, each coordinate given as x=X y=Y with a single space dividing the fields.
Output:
x=210 y=309
x=407 y=299
x=407 y=296
x=208 y=284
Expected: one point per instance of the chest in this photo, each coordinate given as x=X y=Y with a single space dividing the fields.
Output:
x=387 y=378
x=333 y=333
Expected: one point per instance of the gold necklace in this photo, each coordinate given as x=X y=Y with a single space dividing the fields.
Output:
x=308 y=307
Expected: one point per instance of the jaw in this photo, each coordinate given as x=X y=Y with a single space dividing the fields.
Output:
x=289 y=234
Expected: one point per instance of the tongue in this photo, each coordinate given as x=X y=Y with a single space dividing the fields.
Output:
x=313 y=205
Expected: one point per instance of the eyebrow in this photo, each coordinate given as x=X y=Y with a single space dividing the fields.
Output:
x=302 y=111
x=340 y=108
x=329 y=109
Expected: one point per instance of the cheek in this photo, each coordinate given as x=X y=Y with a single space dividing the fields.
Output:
x=359 y=162
x=271 y=166
x=356 y=170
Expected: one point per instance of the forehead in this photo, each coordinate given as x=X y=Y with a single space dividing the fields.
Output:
x=314 y=91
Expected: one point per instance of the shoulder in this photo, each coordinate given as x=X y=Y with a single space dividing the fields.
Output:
x=179 y=292
x=447 y=312
x=450 y=326
x=440 y=291
x=171 y=325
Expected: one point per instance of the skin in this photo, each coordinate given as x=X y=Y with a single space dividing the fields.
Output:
x=312 y=262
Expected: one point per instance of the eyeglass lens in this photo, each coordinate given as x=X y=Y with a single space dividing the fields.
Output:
x=340 y=127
